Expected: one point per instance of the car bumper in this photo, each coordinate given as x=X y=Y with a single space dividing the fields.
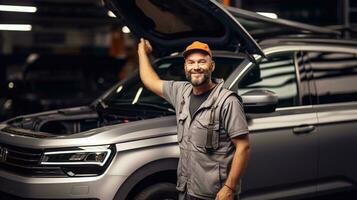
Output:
x=102 y=187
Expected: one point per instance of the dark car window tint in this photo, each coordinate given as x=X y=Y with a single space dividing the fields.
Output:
x=277 y=75
x=335 y=76
x=133 y=91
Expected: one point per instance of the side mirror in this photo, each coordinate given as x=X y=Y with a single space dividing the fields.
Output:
x=259 y=101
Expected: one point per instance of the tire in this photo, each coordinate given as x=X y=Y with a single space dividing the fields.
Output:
x=158 y=191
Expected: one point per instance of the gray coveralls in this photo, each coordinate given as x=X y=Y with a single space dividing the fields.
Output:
x=206 y=149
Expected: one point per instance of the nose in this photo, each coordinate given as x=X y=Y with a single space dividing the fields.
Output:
x=196 y=66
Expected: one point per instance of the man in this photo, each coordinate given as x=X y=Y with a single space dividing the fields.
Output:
x=211 y=125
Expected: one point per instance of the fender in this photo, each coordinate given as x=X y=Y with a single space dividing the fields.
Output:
x=143 y=172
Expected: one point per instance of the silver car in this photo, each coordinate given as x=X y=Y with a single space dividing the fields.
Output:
x=298 y=91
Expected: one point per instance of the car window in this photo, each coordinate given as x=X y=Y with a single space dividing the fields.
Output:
x=335 y=76
x=132 y=91
x=276 y=74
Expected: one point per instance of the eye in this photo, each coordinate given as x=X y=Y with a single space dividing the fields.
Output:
x=202 y=62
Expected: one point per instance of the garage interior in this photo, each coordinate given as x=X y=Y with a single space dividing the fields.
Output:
x=65 y=53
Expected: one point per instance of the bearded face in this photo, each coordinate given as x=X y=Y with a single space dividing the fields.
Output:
x=198 y=78
x=198 y=68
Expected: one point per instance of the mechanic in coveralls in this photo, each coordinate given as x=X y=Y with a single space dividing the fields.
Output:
x=211 y=125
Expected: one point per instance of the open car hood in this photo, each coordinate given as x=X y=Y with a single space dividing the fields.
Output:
x=170 y=25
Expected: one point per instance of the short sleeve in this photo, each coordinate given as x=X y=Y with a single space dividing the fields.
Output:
x=172 y=91
x=233 y=117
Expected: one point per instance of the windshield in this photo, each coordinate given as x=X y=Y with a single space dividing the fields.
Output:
x=132 y=91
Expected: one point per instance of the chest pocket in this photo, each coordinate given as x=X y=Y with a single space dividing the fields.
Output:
x=181 y=126
x=201 y=138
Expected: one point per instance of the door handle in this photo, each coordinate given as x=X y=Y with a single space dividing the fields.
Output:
x=303 y=129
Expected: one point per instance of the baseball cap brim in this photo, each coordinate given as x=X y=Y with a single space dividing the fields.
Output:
x=187 y=52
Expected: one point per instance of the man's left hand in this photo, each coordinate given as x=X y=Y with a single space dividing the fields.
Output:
x=225 y=194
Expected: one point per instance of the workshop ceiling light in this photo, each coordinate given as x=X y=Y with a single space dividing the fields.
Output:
x=138 y=93
x=11 y=85
x=119 y=88
x=15 y=27
x=125 y=29
x=11 y=8
x=270 y=15
x=111 y=14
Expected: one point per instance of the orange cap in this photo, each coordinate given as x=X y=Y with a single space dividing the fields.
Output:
x=197 y=45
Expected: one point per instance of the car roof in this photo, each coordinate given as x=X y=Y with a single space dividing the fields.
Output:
x=306 y=41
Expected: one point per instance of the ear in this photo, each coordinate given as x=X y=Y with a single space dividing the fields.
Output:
x=213 y=65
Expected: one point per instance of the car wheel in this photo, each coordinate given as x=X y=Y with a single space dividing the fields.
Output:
x=158 y=191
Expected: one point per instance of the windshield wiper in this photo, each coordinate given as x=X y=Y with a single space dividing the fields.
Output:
x=145 y=104
x=155 y=106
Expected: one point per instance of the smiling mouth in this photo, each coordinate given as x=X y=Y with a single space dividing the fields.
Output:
x=196 y=75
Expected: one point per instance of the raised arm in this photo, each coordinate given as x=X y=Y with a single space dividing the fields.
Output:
x=147 y=74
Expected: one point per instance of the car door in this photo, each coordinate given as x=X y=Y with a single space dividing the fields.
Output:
x=283 y=160
x=335 y=78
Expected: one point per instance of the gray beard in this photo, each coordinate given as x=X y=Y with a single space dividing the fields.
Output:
x=206 y=77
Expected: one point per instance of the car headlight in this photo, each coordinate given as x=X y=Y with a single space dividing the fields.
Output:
x=80 y=161
x=83 y=156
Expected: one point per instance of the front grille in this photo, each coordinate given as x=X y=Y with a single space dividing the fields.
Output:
x=6 y=196
x=25 y=161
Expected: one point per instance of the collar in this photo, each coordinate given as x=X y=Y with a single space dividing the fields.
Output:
x=212 y=97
